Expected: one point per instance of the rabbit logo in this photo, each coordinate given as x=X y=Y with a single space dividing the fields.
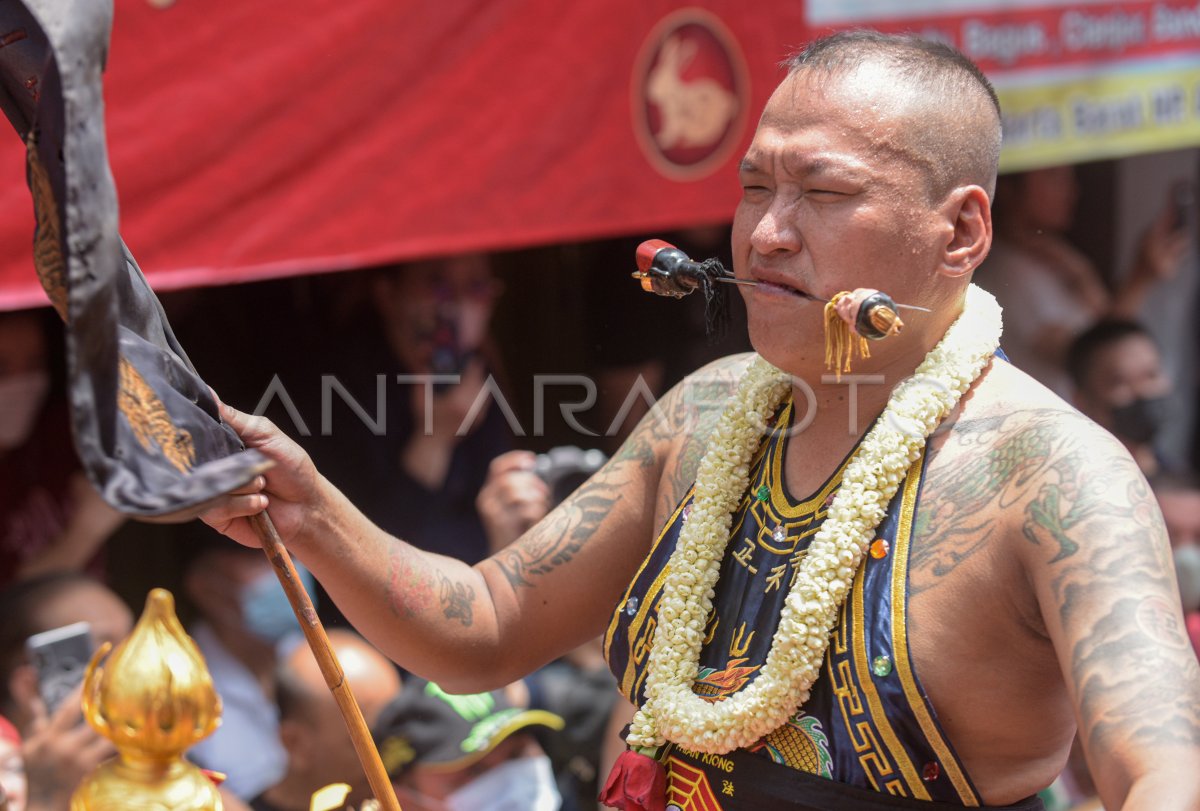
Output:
x=689 y=94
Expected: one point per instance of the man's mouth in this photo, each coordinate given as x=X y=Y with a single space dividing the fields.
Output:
x=777 y=285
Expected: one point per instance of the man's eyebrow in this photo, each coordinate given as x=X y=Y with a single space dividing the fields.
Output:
x=797 y=165
x=802 y=165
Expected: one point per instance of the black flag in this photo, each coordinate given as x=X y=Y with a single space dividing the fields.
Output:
x=146 y=426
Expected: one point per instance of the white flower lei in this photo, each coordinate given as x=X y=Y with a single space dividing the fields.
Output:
x=672 y=710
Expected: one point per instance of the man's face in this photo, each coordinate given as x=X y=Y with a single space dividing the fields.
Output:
x=1049 y=197
x=834 y=198
x=1126 y=370
x=418 y=301
x=110 y=620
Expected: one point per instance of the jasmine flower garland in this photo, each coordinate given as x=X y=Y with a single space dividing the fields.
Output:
x=672 y=711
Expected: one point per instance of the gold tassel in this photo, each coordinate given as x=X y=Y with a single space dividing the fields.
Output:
x=842 y=343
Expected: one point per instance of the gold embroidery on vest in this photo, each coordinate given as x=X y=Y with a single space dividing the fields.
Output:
x=775 y=577
x=736 y=647
x=875 y=763
x=742 y=556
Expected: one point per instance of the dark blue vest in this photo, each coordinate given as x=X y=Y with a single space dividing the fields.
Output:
x=868 y=723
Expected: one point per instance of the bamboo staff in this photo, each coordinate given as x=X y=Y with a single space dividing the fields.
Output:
x=331 y=669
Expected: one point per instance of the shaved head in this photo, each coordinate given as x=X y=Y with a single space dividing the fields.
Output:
x=950 y=110
x=372 y=676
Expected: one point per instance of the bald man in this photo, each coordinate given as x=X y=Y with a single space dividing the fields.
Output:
x=1018 y=578
x=311 y=728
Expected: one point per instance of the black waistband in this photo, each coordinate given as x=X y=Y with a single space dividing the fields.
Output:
x=743 y=780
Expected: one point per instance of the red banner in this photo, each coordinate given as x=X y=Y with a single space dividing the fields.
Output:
x=1003 y=37
x=275 y=137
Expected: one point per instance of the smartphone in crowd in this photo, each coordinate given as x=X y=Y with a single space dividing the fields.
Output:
x=60 y=657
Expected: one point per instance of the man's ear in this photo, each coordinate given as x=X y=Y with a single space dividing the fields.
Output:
x=969 y=213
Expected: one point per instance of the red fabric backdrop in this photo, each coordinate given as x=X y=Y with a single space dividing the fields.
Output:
x=274 y=137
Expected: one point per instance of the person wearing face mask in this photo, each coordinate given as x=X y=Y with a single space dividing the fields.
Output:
x=51 y=518
x=472 y=752
x=1178 y=497
x=1120 y=383
x=243 y=626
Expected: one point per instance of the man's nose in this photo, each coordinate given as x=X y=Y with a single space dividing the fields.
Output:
x=776 y=230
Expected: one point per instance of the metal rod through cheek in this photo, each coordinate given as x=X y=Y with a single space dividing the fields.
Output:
x=750 y=283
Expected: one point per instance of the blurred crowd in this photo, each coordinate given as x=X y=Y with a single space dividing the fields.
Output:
x=456 y=400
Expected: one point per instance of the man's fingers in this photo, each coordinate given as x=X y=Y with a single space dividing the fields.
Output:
x=512 y=460
x=96 y=751
x=69 y=713
x=255 y=485
x=221 y=516
x=517 y=485
x=39 y=716
x=249 y=427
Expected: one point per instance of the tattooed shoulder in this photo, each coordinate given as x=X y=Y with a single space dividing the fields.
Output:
x=977 y=475
x=695 y=406
x=1073 y=506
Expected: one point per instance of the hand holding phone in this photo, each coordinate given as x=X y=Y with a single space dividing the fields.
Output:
x=60 y=657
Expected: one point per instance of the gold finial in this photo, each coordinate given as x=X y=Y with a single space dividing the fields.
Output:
x=153 y=698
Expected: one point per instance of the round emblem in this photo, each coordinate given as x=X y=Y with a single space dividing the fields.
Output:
x=690 y=94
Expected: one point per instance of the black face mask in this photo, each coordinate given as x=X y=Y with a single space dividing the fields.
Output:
x=1139 y=420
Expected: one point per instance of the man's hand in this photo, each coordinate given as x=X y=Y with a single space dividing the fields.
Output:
x=1162 y=247
x=512 y=500
x=290 y=489
x=59 y=751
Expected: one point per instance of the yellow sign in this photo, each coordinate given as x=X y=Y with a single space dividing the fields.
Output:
x=1103 y=115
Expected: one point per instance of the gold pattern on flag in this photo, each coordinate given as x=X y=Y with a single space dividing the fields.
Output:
x=47 y=244
x=150 y=421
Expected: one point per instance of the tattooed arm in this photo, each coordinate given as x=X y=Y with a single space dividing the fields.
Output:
x=1092 y=538
x=479 y=627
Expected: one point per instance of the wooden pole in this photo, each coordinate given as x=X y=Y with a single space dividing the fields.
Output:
x=331 y=669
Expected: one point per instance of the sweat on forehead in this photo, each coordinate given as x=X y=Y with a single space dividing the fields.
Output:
x=949 y=112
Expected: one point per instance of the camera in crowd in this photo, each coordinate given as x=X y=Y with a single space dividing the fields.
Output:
x=565 y=467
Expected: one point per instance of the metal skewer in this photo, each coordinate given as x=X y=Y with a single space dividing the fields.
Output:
x=751 y=283
x=731 y=280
